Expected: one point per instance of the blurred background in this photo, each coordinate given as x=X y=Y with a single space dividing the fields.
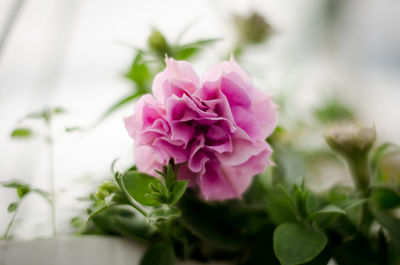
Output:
x=73 y=54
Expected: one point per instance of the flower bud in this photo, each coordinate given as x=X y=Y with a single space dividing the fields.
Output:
x=252 y=29
x=353 y=142
x=350 y=139
x=158 y=43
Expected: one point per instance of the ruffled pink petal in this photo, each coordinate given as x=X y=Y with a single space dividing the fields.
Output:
x=146 y=161
x=175 y=70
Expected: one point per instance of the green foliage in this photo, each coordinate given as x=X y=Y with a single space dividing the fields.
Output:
x=385 y=198
x=21 y=133
x=295 y=243
x=333 y=111
x=142 y=186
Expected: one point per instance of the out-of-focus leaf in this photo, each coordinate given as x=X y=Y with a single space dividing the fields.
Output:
x=294 y=243
x=185 y=53
x=76 y=222
x=333 y=111
x=196 y=216
x=123 y=221
x=392 y=224
x=21 y=133
x=12 y=207
x=139 y=72
x=119 y=104
x=329 y=209
x=354 y=251
x=385 y=198
x=159 y=253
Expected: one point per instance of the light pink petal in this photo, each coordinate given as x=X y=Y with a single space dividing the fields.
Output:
x=265 y=113
x=216 y=71
x=175 y=70
x=146 y=161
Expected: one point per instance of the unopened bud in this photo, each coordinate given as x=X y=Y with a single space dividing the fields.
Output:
x=350 y=139
x=106 y=189
x=252 y=29
x=158 y=43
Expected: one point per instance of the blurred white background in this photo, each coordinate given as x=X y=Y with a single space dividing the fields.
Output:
x=68 y=53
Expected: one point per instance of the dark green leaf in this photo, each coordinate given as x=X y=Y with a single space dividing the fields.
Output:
x=280 y=206
x=15 y=184
x=294 y=243
x=138 y=185
x=385 y=198
x=159 y=253
x=392 y=224
x=12 y=207
x=176 y=190
x=123 y=221
x=21 y=133
x=209 y=223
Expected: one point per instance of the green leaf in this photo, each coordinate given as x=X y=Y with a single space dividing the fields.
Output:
x=279 y=205
x=329 y=209
x=392 y=224
x=15 y=184
x=138 y=185
x=162 y=214
x=159 y=253
x=385 y=198
x=123 y=221
x=176 y=190
x=12 y=207
x=22 y=191
x=380 y=152
x=139 y=72
x=76 y=222
x=119 y=104
x=21 y=133
x=185 y=53
x=294 y=243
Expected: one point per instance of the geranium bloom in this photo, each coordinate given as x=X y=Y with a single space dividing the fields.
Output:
x=215 y=129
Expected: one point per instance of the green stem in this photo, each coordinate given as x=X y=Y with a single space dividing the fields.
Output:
x=52 y=176
x=10 y=224
x=359 y=168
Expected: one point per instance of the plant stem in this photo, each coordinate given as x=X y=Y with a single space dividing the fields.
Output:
x=52 y=176
x=359 y=168
x=10 y=224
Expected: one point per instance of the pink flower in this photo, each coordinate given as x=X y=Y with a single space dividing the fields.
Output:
x=215 y=130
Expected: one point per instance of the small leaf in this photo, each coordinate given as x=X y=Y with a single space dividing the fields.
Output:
x=294 y=243
x=176 y=190
x=159 y=253
x=22 y=191
x=329 y=209
x=12 y=207
x=76 y=222
x=15 y=184
x=21 y=133
x=59 y=110
x=137 y=185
